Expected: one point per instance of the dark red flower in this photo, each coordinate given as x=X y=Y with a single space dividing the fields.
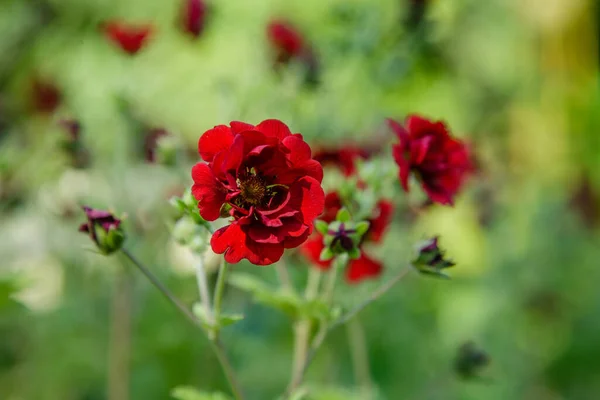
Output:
x=439 y=161
x=363 y=267
x=45 y=96
x=286 y=40
x=344 y=158
x=263 y=176
x=130 y=38
x=193 y=16
x=104 y=229
x=288 y=44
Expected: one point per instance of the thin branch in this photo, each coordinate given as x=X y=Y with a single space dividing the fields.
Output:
x=351 y=314
x=216 y=344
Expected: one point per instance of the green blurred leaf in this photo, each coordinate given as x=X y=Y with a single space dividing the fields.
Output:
x=190 y=393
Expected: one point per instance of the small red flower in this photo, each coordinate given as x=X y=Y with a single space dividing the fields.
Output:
x=263 y=176
x=286 y=40
x=193 y=16
x=439 y=161
x=344 y=158
x=104 y=229
x=45 y=96
x=130 y=38
x=363 y=267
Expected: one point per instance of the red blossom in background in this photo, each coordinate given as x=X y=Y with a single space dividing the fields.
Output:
x=344 y=158
x=262 y=176
x=193 y=16
x=288 y=44
x=286 y=40
x=364 y=267
x=45 y=96
x=440 y=162
x=130 y=38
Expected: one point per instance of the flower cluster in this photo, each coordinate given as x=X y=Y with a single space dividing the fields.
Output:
x=364 y=267
x=264 y=178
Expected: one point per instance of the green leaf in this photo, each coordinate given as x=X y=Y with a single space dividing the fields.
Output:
x=229 y=319
x=361 y=228
x=190 y=393
x=343 y=215
x=354 y=253
x=326 y=254
x=322 y=227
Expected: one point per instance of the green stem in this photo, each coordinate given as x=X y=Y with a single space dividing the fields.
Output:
x=216 y=344
x=218 y=298
x=120 y=338
x=359 y=353
x=318 y=341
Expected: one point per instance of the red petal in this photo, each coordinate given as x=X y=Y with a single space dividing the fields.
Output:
x=398 y=129
x=309 y=168
x=209 y=192
x=274 y=128
x=379 y=224
x=299 y=150
x=214 y=141
x=239 y=127
x=363 y=268
x=232 y=241
x=311 y=249
x=418 y=126
x=307 y=196
x=403 y=165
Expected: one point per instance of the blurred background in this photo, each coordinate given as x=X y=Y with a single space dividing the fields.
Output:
x=80 y=116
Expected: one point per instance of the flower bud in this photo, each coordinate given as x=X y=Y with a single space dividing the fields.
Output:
x=430 y=259
x=470 y=360
x=104 y=229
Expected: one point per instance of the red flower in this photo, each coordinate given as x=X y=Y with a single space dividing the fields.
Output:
x=363 y=267
x=286 y=40
x=264 y=177
x=439 y=161
x=193 y=16
x=343 y=158
x=130 y=38
x=45 y=96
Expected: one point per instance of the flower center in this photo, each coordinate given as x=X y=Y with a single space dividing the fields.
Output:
x=253 y=189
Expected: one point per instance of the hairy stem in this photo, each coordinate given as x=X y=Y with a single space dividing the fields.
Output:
x=120 y=338
x=216 y=344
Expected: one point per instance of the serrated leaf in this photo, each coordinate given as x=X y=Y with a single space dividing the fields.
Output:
x=190 y=393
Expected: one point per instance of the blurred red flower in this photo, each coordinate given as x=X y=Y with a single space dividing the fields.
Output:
x=286 y=40
x=440 y=162
x=344 y=158
x=193 y=16
x=364 y=267
x=130 y=38
x=45 y=96
x=263 y=176
x=151 y=143
x=288 y=43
